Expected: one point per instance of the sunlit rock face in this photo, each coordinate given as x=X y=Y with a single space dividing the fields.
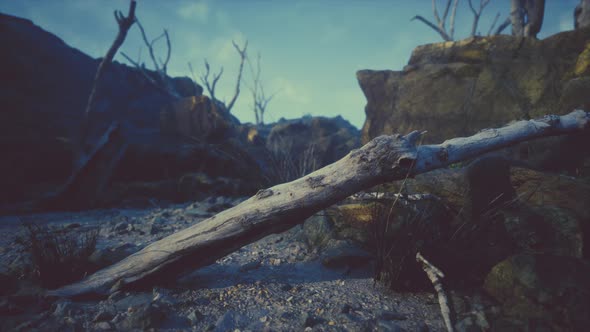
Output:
x=455 y=89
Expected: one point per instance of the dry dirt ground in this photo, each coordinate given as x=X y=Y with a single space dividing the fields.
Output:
x=275 y=284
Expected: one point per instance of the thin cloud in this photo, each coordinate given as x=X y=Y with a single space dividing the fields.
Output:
x=198 y=11
x=291 y=92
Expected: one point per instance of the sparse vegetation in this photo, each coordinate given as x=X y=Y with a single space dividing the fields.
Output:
x=211 y=83
x=58 y=256
x=285 y=166
x=526 y=18
x=398 y=234
x=259 y=98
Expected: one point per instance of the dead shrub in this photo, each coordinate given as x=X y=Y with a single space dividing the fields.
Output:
x=58 y=255
x=285 y=166
x=400 y=229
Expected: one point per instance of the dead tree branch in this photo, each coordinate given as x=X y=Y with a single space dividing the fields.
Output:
x=211 y=84
x=435 y=275
x=527 y=17
x=502 y=26
x=277 y=209
x=259 y=99
x=477 y=14
x=243 y=55
x=125 y=23
x=161 y=81
x=441 y=22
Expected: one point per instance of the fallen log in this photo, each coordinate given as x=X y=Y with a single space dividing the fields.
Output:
x=276 y=209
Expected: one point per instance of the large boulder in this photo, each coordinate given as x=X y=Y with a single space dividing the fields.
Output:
x=540 y=292
x=303 y=145
x=457 y=88
x=498 y=211
x=197 y=117
x=563 y=201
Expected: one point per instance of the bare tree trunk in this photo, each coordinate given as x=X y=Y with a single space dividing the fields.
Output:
x=527 y=17
x=582 y=14
x=273 y=210
x=517 y=17
x=536 y=12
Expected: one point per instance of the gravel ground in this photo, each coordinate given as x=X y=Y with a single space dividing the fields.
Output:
x=275 y=284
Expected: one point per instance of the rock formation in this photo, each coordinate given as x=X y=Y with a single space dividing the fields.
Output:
x=456 y=88
x=45 y=88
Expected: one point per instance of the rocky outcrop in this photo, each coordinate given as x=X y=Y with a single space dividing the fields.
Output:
x=455 y=89
x=44 y=91
x=311 y=143
x=541 y=292
x=198 y=117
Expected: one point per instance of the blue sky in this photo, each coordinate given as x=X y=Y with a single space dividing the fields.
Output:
x=310 y=49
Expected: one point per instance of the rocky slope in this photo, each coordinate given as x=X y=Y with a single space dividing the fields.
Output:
x=178 y=149
x=44 y=92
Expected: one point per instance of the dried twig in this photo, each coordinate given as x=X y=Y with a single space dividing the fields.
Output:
x=440 y=26
x=435 y=275
x=502 y=26
x=161 y=82
x=210 y=85
x=259 y=99
x=125 y=23
x=242 y=53
x=477 y=14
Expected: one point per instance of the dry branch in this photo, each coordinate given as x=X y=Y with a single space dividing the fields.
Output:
x=440 y=22
x=276 y=209
x=125 y=23
x=435 y=275
x=259 y=98
x=477 y=14
x=161 y=82
x=242 y=53
x=210 y=85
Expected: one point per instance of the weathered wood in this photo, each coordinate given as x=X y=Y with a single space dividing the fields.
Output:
x=435 y=276
x=276 y=209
